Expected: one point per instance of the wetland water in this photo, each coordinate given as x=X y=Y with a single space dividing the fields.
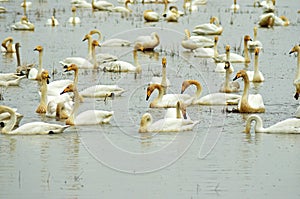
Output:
x=214 y=160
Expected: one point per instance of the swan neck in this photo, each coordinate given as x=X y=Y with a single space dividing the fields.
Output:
x=227 y=79
x=216 y=54
x=256 y=64
x=18 y=56
x=12 y=121
x=40 y=63
x=76 y=105
x=298 y=64
x=258 y=126
x=89 y=38
x=76 y=77
x=73 y=20
x=94 y=56
x=246 y=89
x=43 y=89
x=247 y=59
x=136 y=62
x=164 y=78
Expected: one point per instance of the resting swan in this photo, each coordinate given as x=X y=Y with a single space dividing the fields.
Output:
x=268 y=6
x=193 y=42
x=163 y=81
x=235 y=7
x=10 y=79
x=7 y=45
x=24 y=24
x=209 y=28
x=52 y=22
x=89 y=117
x=124 y=10
x=270 y=19
x=288 y=126
x=249 y=103
x=166 y=100
x=32 y=128
x=255 y=43
x=145 y=43
x=207 y=52
x=229 y=86
x=220 y=67
x=74 y=20
x=102 y=5
x=22 y=69
x=296 y=49
x=256 y=75
x=151 y=16
x=210 y=99
x=26 y=3
x=165 y=125
x=172 y=15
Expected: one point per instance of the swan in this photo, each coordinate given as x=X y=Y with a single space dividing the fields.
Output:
x=249 y=103
x=207 y=52
x=151 y=16
x=7 y=45
x=172 y=15
x=89 y=39
x=5 y=117
x=23 y=24
x=81 y=4
x=165 y=125
x=268 y=6
x=296 y=49
x=125 y=10
x=32 y=128
x=235 y=7
x=166 y=100
x=21 y=69
x=74 y=20
x=97 y=90
x=287 y=126
x=116 y=42
x=102 y=5
x=255 y=43
x=35 y=74
x=122 y=66
x=209 y=28
x=52 y=22
x=89 y=117
x=191 y=6
x=26 y=3
x=2 y=9
x=210 y=99
x=221 y=67
x=163 y=81
x=178 y=112
x=236 y=58
x=147 y=42
x=256 y=75
x=281 y=21
x=270 y=19
x=194 y=42
x=228 y=86
x=10 y=79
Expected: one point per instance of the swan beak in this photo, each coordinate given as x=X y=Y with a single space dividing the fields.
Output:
x=62 y=92
x=147 y=97
x=296 y=96
x=235 y=78
x=292 y=51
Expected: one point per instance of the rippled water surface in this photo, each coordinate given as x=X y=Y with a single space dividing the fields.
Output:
x=216 y=159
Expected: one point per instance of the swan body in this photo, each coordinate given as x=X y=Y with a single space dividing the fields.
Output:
x=255 y=43
x=296 y=49
x=32 y=128
x=55 y=87
x=194 y=42
x=2 y=9
x=207 y=52
x=105 y=58
x=178 y=112
x=118 y=66
x=10 y=79
x=229 y=86
x=268 y=6
x=24 y=24
x=121 y=9
x=235 y=7
x=52 y=22
x=270 y=19
x=151 y=16
x=148 y=42
x=102 y=91
x=7 y=45
x=74 y=20
x=116 y=42
x=166 y=100
x=287 y=126
x=89 y=117
x=79 y=61
x=102 y=5
x=209 y=28
x=249 y=103
x=256 y=75
x=81 y=4
x=172 y=15
x=165 y=125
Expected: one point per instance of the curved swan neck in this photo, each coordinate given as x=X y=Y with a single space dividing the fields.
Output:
x=13 y=119
x=198 y=86
x=258 y=126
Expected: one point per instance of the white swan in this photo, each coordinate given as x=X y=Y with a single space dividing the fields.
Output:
x=210 y=99
x=151 y=16
x=296 y=49
x=255 y=43
x=207 y=52
x=236 y=58
x=23 y=24
x=165 y=125
x=172 y=15
x=121 y=9
x=10 y=79
x=35 y=74
x=270 y=19
x=229 y=86
x=89 y=117
x=74 y=20
x=22 y=69
x=102 y=5
x=116 y=42
x=163 y=80
x=32 y=128
x=256 y=75
x=194 y=42
x=2 y=9
x=144 y=43
x=191 y=6
x=166 y=100
x=249 y=103
x=52 y=22
x=26 y=3
x=7 y=45
x=287 y=126
x=81 y=4
x=209 y=28
x=268 y=5
x=235 y=7
x=178 y=112
x=221 y=66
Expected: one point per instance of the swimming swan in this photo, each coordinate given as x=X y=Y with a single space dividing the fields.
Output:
x=296 y=49
x=32 y=128
x=235 y=7
x=52 y=22
x=74 y=20
x=163 y=80
x=209 y=28
x=151 y=16
x=210 y=99
x=229 y=86
x=256 y=75
x=5 y=117
x=255 y=43
x=166 y=100
x=287 y=126
x=35 y=74
x=121 y=9
x=207 y=52
x=89 y=117
x=22 y=69
x=26 y=3
x=102 y=5
x=7 y=45
x=10 y=79
x=23 y=24
x=270 y=19
x=147 y=42
x=249 y=103
x=194 y=42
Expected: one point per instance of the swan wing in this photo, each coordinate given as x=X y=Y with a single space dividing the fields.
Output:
x=256 y=101
x=291 y=125
x=39 y=128
x=79 y=61
x=171 y=125
x=116 y=42
x=204 y=52
x=219 y=99
x=92 y=117
x=102 y=91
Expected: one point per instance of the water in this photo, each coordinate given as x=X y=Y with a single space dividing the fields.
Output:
x=216 y=159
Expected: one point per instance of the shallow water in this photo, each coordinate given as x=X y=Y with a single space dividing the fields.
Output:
x=216 y=159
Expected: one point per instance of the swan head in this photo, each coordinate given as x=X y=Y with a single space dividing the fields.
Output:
x=247 y=38
x=73 y=67
x=73 y=9
x=164 y=61
x=240 y=74
x=38 y=48
x=214 y=20
x=227 y=48
x=151 y=88
x=145 y=122
x=69 y=88
x=227 y=65
x=96 y=43
x=45 y=76
x=216 y=39
x=296 y=48
x=256 y=51
x=24 y=18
